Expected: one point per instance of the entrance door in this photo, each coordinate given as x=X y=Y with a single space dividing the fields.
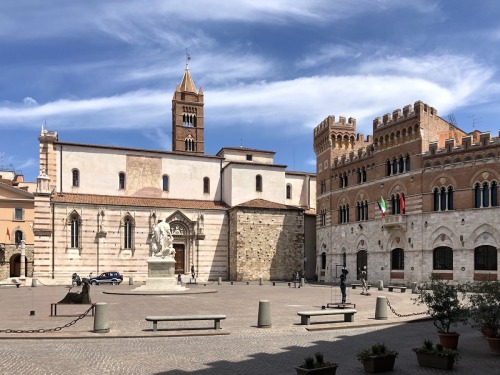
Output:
x=179 y=258
x=15 y=266
x=361 y=262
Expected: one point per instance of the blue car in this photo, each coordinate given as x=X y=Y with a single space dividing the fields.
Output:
x=114 y=278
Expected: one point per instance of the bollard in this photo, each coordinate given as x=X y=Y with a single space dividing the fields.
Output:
x=381 y=308
x=219 y=281
x=101 y=321
x=231 y=283
x=130 y=281
x=380 y=285
x=248 y=282
x=274 y=283
x=414 y=288
x=301 y=281
x=34 y=282
x=264 y=319
x=260 y=281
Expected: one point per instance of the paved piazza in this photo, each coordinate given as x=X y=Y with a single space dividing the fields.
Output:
x=132 y=348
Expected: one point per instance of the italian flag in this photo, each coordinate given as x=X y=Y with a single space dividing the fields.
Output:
x=382 y=207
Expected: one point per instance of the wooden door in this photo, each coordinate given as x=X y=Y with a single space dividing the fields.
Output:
x=361 y=263
x=179 y=258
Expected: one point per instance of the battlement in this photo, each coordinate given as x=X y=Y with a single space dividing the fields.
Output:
x=419 y=109
x=329 y=123
x=474 y=141
x=353 y=156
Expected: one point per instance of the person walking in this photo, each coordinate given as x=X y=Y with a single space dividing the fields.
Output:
x=343 y=277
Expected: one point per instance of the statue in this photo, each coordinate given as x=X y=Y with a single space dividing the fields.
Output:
x=162 y=240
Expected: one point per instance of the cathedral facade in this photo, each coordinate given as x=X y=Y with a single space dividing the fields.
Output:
x=235 y=215
x=418 y=197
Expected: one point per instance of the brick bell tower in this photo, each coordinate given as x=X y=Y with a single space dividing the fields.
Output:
x=187 y=117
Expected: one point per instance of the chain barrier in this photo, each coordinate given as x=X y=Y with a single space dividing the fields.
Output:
x=43 y=330
x=404 y=315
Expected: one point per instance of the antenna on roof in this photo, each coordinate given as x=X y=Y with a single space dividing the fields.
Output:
x=241 y=142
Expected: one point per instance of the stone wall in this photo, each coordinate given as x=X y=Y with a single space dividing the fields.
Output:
x=267 y=244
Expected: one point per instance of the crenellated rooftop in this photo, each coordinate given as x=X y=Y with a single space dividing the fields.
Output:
x=329 y=123
x=472 y=142
x=398 y=115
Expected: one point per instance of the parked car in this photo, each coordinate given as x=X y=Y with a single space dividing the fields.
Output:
x=114 y=278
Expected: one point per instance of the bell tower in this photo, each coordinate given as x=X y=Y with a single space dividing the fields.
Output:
x=187 y=116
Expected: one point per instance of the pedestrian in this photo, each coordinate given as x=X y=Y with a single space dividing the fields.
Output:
x=363 y=281
x=179 y=279
x=192 y=272
x=343 y=277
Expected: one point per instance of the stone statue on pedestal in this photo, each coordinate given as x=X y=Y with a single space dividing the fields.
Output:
x=162 y=241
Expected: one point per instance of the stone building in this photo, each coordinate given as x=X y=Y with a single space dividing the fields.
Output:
x=234 y=215
x=418 y=197
x=16 y=218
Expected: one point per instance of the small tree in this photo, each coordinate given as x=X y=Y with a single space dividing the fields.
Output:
x=443 y=302
x=484 y=300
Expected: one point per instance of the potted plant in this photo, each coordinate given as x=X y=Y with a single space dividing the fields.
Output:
x=316 y=365
x=436 y=356
x=484 y=300
x=445 y=308
x=378 y=358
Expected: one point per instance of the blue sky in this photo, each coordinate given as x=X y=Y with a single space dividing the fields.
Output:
x=104 y=72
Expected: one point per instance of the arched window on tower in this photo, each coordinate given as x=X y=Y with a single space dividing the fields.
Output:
x=121 y=180
x=189 y=144
x=258 y=183
x=288 y=191
x=75 y=173
x=206 y=185
x=165 y=182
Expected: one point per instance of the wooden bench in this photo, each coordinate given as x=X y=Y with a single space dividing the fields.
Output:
x=53 y=307
x=182 y=318
x=390 y=288
x=305 y=316
x=353 y=286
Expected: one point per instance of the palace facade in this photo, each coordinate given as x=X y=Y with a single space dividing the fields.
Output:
x=235 y=215
x=417 y=197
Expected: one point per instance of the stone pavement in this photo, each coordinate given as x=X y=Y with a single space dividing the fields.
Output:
x=178 y=348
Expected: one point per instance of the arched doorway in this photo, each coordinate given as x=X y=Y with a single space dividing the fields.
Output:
x=179 y=258
x=361 y=263
x=15 y=265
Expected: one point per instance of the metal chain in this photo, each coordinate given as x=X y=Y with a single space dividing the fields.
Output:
x=404 y=315
x=43 y=330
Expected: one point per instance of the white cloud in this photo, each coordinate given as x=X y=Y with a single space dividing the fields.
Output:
x=30 y=101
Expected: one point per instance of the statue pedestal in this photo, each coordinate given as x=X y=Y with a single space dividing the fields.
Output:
x=161 y=275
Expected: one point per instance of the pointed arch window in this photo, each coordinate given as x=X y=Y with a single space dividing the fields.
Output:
x=75 y=232
x=442 y=258
x=75 y=173
x=258 y=183
x=288 y=191
x=121 y=181
x=206 y=185
x=189 y=144
x=128 y=232
x=165 y=181
x=485 y=258
x=189 y=120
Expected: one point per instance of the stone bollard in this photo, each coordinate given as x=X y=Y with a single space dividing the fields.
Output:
x=34 y=282
x=302 y=281
x=101 y=320
x=414 y=288
x=264 y=319
x=219 y=281
x=130 y=281
x=380 y=285
x=260 y=281
x=381 y=308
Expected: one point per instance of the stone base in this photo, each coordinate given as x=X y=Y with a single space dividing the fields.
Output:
x=161 y=276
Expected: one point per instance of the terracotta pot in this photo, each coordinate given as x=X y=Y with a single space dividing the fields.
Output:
x=449 y=340
x=488 y=331
x=494 y=343
x=379 y=364
x=330 y=370
x=430 y=360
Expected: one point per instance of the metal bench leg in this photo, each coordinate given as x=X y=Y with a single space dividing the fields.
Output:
x=155 y=325
x=349 y=317
x=390 y=289
x=305 y=320
x=403 y=290
x=216 y=323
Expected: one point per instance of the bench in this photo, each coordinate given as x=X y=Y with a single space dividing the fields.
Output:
x=182 y=318
x=305 y=316
x=11 y=284
x=392 y=287
x=368 y=286
x=53 y=307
